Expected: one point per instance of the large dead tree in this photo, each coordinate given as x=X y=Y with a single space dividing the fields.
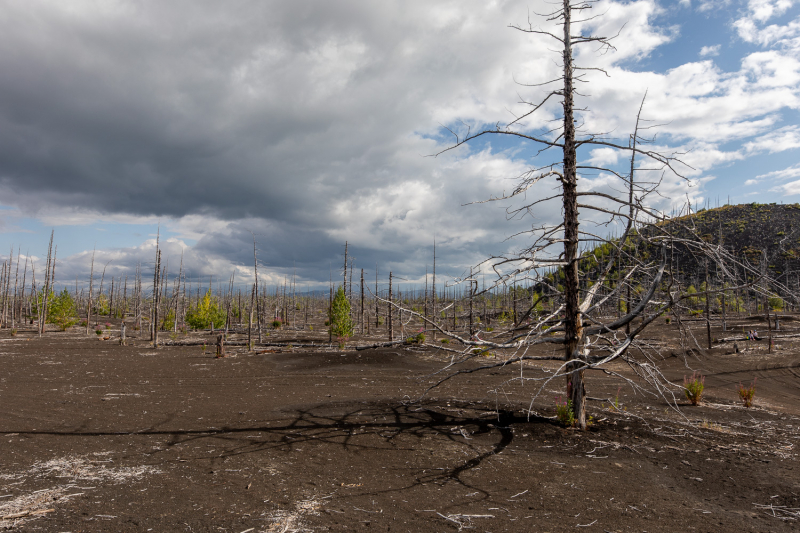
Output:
x=589 y=340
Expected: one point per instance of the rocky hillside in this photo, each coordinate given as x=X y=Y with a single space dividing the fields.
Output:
x=746 y=230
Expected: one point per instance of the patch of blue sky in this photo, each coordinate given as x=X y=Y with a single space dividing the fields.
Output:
x=698 y=28
x=33 y=235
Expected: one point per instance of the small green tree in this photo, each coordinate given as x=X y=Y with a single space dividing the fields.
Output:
x=341 y=323
x=101 y=306
x=61 y=310
x=168 y=322
x=208 y=311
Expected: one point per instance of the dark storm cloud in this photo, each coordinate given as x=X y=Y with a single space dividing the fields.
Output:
x=306 y=123
x=296 y=118
x=175 y=108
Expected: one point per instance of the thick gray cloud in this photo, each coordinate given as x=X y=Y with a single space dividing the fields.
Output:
x=306 y=123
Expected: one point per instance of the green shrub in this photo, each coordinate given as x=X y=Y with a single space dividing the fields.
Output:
x=693 y=387
x=100 y=305
x=341 y=323
x=746 y=394
x=206 y=313
x=565 y=413
x=168 y=323
x=419 y=338
x=61 y=310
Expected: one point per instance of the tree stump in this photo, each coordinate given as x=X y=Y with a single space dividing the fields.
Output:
x=220 y=345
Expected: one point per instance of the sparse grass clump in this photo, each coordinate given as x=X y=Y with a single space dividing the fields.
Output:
x=746 y=394
x=693 y=387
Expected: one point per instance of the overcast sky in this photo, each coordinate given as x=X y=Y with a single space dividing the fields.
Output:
x=311 y=123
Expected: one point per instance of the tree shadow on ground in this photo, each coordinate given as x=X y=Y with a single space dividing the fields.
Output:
x=476 y=430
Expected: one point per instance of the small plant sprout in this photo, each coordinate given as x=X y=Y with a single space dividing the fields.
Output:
x=98 y=331
x=419 y=338
x=276 y=324
x=693 y=387
x=616 y=399
x=564 y=412
x=746 y=394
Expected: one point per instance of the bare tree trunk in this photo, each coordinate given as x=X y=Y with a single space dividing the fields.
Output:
x=769 y=324
x=433 y=290
x=14 y=301
x=361 y=322
x=2 y=289
x=7 y=287
x=250 y=319
x=724 y=318
x=255 y=289
x=708 y=309
x=391 y=325
x=573 y=326
x=156 y=298
x=46 y=288
x=344 y=272
x=22 y=290
x=471 y=292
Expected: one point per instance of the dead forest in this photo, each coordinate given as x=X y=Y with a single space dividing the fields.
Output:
x=164 y=306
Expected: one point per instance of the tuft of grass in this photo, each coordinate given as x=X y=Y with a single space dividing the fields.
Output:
x=616 y=399
x=746 y=394
x=693 y=387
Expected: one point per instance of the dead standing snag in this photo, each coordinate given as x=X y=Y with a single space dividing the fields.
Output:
x=556 y=248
